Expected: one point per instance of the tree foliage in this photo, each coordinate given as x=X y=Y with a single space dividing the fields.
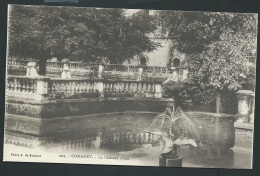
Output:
x=42 y=32
x=219 y=50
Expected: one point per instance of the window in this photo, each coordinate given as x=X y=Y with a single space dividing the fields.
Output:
x=175 y=62
x=143 y=60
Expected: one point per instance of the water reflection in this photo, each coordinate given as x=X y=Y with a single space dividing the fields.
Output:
x=125 y=134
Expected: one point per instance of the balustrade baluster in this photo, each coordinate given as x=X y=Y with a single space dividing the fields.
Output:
x=67 y=87
x=73 y=88
x=58 y=87
x=116 y=87
x=49 y=88
x=152 y=88
x=23 y=85
x=15 y=84
x=55 y=87
x=92 y=87
x=145 y=88
x=128 y=88
x=30 y=84
x=81 y=88
x=64 y=87
x=84 y=87
x=106 y=87
x=121 y=85
x=109 y=89
x=112 y=87
x=12 y=83
x=18 y=85
x=27 y=87
x=149 y=88
x=87 y=87
x=131 y=87
x=9 y=84
x=76 y=87
x=139 y=88
x=124 y=87
x=34 y=86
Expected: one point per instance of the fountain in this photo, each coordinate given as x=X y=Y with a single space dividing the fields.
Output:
x=188 y=139
x=169 y=132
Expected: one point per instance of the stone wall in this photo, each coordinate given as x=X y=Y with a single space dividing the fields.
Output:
x=244 y=136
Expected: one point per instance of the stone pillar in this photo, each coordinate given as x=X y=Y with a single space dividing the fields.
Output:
x=66 y=74
x=243 y=105
x=218 y=103
x=174 y=75
x=185 y=74
x=100 y=70
x=65 y=65
x=158 y=90
x=31 y=70
x=42 y=88
x=100 y=87
x=140 y=72
x=252 y=109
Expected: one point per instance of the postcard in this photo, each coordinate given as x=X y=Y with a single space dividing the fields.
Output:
x=130 y=87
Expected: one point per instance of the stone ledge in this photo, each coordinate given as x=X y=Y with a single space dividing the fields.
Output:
x=47 y=101
x=244 y=126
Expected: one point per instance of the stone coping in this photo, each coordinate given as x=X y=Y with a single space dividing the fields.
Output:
x=33 y=119
x=152 y=80
x=212 y=114
x=29 y=77
x=47 y=101
x=245 y=126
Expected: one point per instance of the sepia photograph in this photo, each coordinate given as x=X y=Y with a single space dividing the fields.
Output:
x=135 y=87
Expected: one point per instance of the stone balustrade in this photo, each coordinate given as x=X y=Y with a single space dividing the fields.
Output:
x=111 y=71
x=76 y=68
x=131 y=88
x=39 y=88
x=246 y=106
x=177 y=73
x=81 y=66
x=26 y=87
x=13 y=63
x=121 y=68
x=54 y=66
x=120 y=71
x=69 y=87
x=21 y=84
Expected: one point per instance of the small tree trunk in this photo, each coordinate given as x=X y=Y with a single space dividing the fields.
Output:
x=42 y=66
x=218 y=104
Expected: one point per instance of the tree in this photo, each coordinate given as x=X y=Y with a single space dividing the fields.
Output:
x=193 y=32
x=217 y=48
x=42 y=32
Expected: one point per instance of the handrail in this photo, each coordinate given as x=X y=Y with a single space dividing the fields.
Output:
x=93 y=64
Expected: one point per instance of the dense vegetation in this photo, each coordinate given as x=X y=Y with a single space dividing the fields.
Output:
x=88 y=34
x=220 y=48
x=220 y=52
